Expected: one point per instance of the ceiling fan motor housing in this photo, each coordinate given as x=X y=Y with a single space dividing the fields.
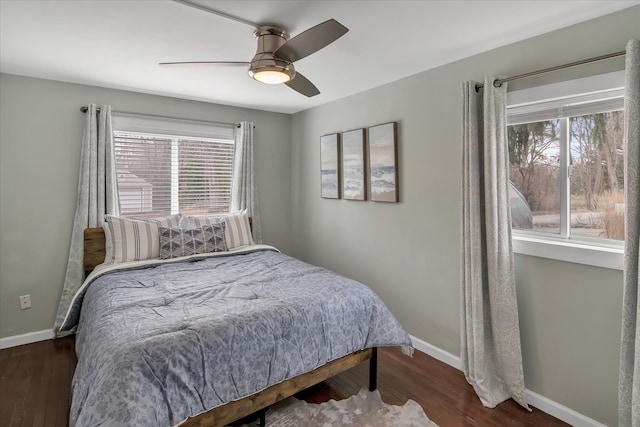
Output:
x=265 y=66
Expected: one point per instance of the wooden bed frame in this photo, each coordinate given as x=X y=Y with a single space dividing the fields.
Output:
x=94 y=254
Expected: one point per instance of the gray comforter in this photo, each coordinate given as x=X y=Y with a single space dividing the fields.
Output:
x=159 y=343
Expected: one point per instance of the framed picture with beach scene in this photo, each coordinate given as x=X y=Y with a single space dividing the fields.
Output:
x=330 y=166
x=353 y=165
x=383 y=163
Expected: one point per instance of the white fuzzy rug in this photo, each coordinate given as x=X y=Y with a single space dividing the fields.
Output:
x=365 y=409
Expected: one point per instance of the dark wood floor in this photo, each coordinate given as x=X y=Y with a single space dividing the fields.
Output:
x=35 y=383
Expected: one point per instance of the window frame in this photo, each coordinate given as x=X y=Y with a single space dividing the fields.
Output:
x=562 y=101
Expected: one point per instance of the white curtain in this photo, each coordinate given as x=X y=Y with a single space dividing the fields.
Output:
x=490 y=333
x=629 y=385
x=244 y=193
x=97 y=195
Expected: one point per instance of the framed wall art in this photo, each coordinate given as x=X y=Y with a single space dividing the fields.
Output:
x=330 y=166
x=383 y=163
x=353 y=165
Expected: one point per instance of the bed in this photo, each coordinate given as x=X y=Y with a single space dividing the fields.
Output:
x=208 y=339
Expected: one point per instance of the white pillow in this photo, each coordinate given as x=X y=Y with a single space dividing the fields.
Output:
x=237 y=229
x=134 y=240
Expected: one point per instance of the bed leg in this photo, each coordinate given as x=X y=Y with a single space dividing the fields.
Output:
x=263 y=418
x=373 y=369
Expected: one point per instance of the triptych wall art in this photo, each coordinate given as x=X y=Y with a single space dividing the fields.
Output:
x=356 y=164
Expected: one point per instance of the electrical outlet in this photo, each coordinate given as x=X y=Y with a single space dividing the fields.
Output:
x=25 y=302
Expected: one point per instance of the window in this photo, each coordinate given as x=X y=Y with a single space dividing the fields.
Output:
x=566 y=169
x=168 y=171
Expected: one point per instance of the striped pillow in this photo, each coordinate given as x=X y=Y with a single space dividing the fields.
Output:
x=237 y=228
x=134 y=240
x=178 y=242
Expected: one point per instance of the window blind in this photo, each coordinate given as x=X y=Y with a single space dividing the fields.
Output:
x=160 y=174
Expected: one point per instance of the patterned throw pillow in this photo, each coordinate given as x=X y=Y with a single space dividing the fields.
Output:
x=134 y=240
x=178 y=242
x=238 y=229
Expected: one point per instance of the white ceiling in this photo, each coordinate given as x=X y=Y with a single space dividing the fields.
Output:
x=118 y=44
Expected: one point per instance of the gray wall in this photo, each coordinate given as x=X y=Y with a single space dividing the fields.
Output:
x=40 y=135
x=409 y=253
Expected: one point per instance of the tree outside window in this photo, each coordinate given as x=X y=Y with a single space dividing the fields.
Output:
x=592 y=146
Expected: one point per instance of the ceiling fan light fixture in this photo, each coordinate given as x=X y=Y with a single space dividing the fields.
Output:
x=265 y=66
x=272 y=77
x=268 y=69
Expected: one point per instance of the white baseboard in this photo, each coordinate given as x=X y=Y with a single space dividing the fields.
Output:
x=28 y=338
x=559 y=411
x=542 y=403
x=436 y=352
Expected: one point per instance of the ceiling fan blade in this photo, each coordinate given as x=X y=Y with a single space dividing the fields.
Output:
x=302 y=85
x=230 y=63
x=311 y=40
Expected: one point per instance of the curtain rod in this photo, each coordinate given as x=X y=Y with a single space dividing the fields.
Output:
x=499 y=82
x=160 y=116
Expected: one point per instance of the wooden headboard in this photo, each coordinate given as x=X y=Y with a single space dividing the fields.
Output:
x=94 y=248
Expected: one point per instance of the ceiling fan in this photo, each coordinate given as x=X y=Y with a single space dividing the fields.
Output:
x=276 y=52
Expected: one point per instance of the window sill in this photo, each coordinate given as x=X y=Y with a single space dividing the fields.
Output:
x=562 y=250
